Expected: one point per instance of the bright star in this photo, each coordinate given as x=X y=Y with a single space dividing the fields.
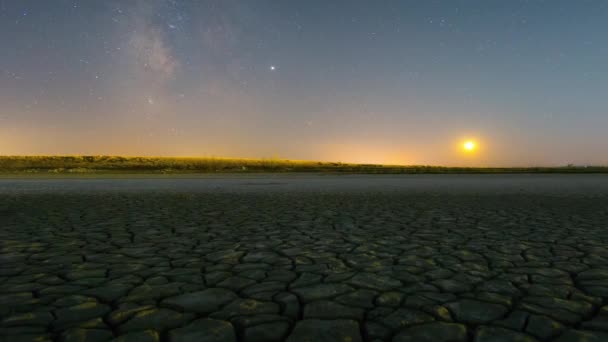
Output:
x=272 y=67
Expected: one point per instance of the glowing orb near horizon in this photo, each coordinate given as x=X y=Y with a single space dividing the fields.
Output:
x=469 y=146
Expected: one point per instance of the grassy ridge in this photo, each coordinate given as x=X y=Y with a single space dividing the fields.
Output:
x=117 y=164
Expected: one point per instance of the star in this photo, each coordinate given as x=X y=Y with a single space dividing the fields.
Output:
x=273 y=68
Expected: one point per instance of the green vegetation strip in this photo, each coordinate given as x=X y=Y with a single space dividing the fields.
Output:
x=163 y=165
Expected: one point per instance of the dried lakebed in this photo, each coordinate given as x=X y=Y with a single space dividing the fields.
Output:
x=311 y=258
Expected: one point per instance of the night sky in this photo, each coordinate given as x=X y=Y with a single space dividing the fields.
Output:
x=355 y=81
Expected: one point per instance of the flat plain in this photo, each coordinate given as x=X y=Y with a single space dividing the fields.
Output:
x=305 y=258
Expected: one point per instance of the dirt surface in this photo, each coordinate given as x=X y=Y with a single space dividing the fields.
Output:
x=305 y=258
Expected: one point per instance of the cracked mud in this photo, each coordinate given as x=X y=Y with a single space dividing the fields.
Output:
x=303 y=266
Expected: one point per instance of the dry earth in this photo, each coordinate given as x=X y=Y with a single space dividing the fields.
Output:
x=305 y=258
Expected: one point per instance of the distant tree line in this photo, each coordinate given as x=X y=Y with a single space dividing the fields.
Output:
x=118 y=164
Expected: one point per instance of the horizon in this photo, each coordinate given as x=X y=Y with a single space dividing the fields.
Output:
x=284 y=159
x=396 y=83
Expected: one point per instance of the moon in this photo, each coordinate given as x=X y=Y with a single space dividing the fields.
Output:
x=469 y=146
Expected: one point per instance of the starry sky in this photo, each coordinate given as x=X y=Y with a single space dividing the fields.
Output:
x=400 y=82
